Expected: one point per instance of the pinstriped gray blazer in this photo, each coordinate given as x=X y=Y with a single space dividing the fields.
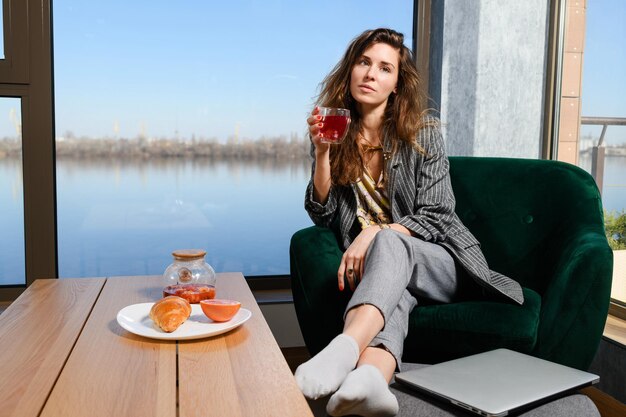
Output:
x=421 y=198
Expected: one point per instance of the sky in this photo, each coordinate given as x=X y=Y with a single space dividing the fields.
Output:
x=604 y=61
x=204 y=68
x=604 y=67
x=246 y=68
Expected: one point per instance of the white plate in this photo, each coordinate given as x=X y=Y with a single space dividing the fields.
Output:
x=136 y=319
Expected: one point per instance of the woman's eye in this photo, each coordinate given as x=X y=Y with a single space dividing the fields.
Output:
x=363 y=62
x=386 y=69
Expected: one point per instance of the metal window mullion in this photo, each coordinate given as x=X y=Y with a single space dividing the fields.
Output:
x=38 y=150
x=31 y=81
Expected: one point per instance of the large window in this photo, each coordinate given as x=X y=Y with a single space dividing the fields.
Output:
x=592 y=131
x=604 y=97
x=183 y=126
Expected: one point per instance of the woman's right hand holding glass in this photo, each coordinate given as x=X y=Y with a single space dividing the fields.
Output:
x=315 y=124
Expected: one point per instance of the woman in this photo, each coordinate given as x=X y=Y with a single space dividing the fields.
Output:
x=387 y=187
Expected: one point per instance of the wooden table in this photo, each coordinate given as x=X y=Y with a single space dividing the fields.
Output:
x=62 y=353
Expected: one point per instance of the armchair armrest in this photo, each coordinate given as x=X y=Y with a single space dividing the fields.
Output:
x=575 y=303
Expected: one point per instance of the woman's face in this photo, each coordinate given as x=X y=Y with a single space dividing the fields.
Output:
x=374 y=76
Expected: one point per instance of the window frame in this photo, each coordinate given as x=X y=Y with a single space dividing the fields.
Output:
x=26 y=73
x=14 y=66
x=552 y=90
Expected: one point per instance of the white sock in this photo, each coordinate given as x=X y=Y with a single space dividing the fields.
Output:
x=365 y=392
x=324 y=373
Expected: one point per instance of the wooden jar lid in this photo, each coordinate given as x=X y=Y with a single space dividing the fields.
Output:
x=188 y=254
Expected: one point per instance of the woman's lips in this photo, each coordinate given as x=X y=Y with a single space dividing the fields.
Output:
x=366 y=87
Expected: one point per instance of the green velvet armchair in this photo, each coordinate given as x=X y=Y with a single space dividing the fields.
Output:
x=539 y=222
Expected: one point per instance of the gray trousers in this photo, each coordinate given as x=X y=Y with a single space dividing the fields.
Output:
x=399 y=270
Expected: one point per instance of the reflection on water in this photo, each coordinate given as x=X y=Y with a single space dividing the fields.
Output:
x=125 y=218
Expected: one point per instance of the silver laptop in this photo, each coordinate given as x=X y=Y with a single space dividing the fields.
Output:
x=497 y=382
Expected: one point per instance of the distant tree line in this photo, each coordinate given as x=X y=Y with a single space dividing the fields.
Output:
x=280 y=147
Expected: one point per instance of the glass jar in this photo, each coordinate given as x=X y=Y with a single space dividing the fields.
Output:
x=189 y=276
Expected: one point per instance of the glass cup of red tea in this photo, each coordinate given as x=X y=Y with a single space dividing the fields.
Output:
x=335 y=123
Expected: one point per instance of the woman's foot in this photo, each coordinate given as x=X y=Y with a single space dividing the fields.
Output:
x=364 y=392
x=324 y=373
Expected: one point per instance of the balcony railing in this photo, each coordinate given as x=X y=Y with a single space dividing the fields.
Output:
x=597 y=152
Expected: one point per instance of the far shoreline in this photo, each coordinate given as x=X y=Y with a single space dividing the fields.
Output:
x=281 y=148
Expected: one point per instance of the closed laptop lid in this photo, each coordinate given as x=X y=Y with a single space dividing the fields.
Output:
x=497 y=382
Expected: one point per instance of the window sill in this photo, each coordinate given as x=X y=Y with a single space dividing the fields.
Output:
x=273 y=296
x=615 y=330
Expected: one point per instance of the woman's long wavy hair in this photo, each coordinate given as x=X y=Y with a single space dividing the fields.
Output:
x=403 y=114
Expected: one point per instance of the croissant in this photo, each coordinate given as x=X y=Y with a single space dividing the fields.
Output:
x=170 y=312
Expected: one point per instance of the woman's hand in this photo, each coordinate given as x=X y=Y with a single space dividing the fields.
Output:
x=321 y=178
x=353 y=260
x=315 y=123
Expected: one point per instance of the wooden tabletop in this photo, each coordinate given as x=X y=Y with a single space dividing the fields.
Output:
x=63 y=353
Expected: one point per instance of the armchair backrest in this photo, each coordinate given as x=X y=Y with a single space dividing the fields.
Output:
x=524 y=210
